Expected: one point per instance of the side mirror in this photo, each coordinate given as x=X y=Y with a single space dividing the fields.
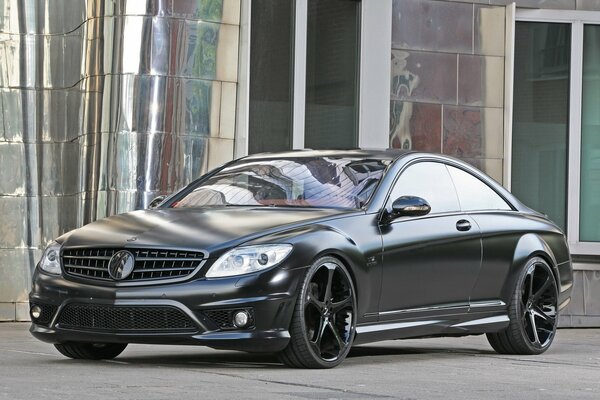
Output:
x=156 y=201
x=409 y=206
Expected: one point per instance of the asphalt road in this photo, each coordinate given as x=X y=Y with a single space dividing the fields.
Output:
x=446 y=368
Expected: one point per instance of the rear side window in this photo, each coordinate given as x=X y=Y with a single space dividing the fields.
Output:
x=473 y=194
x=430 y=181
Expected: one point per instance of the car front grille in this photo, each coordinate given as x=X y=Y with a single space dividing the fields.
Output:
x=150 y=264
x=124 y=318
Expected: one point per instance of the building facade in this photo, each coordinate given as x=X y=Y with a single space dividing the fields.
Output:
x=106 y=104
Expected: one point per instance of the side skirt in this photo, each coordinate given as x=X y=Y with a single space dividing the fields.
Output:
x=442 y=325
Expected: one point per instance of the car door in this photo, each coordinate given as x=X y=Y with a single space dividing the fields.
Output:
x=501 y=228
x=430 y=263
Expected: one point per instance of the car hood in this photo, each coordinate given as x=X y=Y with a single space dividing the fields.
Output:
x=207 y=229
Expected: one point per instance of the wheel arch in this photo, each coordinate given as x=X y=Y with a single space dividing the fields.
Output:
x=315 y=241
x=528 y=246
x=345 y=261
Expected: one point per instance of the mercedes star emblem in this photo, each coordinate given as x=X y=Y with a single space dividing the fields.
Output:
x=121 y=265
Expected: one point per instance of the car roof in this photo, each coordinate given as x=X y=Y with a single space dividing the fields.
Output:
x=378 y=154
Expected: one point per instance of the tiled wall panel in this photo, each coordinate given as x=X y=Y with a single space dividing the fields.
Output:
x=584 y=308
x=447 y=80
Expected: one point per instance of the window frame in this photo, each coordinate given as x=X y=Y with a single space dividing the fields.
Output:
x=577 y=20
x=374 y=63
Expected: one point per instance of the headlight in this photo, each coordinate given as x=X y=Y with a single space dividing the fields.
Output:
x=51 y=259
x=244 y=260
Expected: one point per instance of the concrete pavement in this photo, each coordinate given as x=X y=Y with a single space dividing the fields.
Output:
x=445 y=368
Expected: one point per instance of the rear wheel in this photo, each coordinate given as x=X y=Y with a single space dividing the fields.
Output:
x=324 y=320
x=533 y=312
x=91 y=351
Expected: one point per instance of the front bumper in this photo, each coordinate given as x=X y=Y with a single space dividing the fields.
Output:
x=270 y=296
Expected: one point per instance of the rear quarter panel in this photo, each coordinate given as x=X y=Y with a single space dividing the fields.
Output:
x=509 y=239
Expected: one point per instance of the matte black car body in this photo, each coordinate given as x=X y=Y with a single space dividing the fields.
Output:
x=413 y=276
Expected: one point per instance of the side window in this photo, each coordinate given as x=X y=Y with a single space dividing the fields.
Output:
x=474 y=194
x=430 y=181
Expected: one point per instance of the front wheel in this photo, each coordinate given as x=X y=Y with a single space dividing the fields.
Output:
x=91 y=351
x=533 y=312
x=324 y=320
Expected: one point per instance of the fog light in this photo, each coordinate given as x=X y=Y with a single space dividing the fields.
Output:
x=241 y=319
x=35 y=312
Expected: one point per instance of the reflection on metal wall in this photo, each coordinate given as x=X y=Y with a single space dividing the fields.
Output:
x=103 y=105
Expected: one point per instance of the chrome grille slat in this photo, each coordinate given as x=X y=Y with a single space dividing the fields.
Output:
x=150 y=264
x=164 y=269
x=83 y=267
x=89 y=257
x=163 y=259
x=88 y=276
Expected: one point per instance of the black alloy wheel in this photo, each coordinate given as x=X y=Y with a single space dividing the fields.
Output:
x=324 y=320
x=91 y=351
x=533 y=312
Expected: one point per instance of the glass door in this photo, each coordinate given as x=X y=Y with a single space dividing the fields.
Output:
x=589 y=202
x=541 y=117
x=556 y=124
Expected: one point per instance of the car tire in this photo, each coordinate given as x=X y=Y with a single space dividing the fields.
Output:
x=533 y=312
x=324 y=320
x=91 y=351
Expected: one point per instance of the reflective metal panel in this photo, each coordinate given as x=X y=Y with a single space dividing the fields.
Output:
x=416 y=126
x=59 y=175
x=228 y=105
x=58 y=215
x=37 y=61
x=432 y=25
x=489 y=34
x=480 y=80
x=163 y=104
x=472 y=132
x=15 y=273
x=219 y=149
x=103 y=106
x=447 y=80
x=423 y=76
x=554 y=4
x=42 y=16
x=17 y=232
x=591 y=5
x=19 y=169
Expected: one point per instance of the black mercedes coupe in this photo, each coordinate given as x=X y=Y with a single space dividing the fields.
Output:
x=305 y=254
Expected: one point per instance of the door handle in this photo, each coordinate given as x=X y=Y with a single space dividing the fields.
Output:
x=463 y=225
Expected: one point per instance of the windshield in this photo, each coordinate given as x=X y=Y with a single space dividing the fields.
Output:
x=290 y=182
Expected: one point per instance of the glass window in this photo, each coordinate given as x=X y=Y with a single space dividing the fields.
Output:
x=430 y=181
x=332 y=55
x=589 y=220
x=271 y=60
x=298 y=182
x=475 y=195
x=541 y=116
